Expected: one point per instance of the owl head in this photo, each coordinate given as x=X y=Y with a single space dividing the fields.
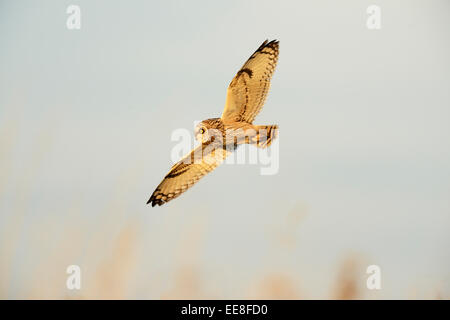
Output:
x=201 y=132
x=208 y=130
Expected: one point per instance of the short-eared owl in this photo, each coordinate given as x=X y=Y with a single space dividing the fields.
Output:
x=246 y=95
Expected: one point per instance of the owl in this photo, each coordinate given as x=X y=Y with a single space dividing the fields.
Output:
x=219 y=137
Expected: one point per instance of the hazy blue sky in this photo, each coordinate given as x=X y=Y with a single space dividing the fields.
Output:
x=86 y=118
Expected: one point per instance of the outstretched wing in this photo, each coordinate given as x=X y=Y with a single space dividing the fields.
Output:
x=248 y=90
x=185 y=173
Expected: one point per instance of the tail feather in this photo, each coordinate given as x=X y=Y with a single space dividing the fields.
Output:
x=265 y=136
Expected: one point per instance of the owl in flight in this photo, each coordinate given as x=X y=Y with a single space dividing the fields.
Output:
x=219 y=137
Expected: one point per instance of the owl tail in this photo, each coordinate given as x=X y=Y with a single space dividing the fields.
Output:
x=265 y=135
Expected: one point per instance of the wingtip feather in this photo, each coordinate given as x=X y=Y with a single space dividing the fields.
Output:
x=153 y=201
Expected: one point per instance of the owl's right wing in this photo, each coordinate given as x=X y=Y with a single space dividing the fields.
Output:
x=186 y=172
x=248 y=90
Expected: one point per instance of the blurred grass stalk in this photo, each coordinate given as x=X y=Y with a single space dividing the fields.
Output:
x=34 y=258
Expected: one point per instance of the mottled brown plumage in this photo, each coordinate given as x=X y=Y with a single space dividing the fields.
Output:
x=219 y=137
x=248 y=90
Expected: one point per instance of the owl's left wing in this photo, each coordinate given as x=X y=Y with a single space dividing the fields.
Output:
x=248 y=90
x=185 y=173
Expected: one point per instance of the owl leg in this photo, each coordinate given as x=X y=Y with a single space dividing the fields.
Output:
x=265 y=135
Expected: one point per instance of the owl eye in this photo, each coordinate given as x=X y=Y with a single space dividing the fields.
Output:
x=202 y=130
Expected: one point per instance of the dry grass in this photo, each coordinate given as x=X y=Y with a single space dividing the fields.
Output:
x=115 y=266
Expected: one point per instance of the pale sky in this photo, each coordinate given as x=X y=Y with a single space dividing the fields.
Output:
x=86 y=118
